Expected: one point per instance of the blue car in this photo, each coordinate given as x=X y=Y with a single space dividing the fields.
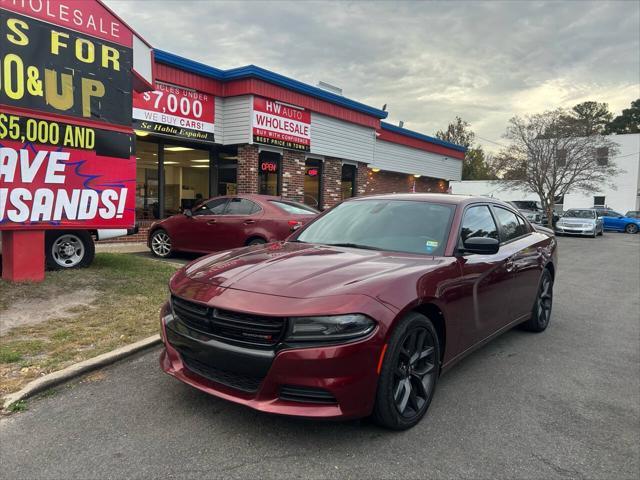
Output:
x=618 y=222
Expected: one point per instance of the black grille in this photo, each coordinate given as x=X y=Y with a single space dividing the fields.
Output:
x=306 y=394
x=230 y=379
x=246 y=329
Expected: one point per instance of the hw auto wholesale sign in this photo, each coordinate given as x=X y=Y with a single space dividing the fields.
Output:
x=175 y=111
x=281 y=124
x=65 y=116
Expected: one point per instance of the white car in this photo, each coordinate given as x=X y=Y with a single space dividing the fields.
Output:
x=580 y=221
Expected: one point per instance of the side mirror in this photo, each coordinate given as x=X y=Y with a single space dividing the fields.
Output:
x=481 y=245
x=188 y=213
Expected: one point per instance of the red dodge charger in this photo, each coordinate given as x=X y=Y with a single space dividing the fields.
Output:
x=360 y=311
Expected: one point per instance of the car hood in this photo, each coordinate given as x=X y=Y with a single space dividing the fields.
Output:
x=299 y=270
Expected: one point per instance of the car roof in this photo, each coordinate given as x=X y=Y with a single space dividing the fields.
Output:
x=434 y=197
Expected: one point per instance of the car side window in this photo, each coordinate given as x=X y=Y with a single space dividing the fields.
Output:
x=241 y=206
x=212 y=207
x=522 y=226
x=510 y=227
x=478 y=222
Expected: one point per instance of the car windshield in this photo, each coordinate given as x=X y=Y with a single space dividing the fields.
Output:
x=580 y=214
x=294 y=208
x=395 y=225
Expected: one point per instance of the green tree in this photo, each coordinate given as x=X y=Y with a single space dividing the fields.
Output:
x=628 y=122
x=458 y=132
x=584 y=119
x=475 y=165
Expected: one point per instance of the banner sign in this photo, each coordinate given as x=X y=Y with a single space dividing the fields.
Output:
x=175 y=111
x=56 y=70
x=56 y=175
x=71 y=58
x=281 y=124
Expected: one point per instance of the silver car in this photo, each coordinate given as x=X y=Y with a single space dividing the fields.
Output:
x=580 y=221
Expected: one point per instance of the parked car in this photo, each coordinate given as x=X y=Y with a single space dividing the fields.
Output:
x=531 y=210
x=228 y=222
x=580 y=221
x=66 y=249
x=615 y=221
x=633 y=214
x=358 y=312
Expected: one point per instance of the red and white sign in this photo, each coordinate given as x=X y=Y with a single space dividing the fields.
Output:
x=280 y=124
x=45 y=187
x=84 y=16
x=177 y=111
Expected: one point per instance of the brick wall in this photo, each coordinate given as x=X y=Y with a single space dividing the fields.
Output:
x=332 y=182
x=247 y=168
x=293 y=171
x=362 y=178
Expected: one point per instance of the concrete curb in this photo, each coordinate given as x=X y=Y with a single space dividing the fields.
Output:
x=77 y=369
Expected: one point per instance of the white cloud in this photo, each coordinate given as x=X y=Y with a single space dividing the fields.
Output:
x=429 y=61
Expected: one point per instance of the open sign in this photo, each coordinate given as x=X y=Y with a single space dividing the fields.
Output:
x=269 y=166
x=312 y=172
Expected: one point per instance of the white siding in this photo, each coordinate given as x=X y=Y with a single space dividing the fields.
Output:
x=400 y=158
x=622 y=198
x=335 y=138
x=233 y=119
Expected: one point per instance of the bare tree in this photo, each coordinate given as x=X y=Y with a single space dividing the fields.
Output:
x=543 y=159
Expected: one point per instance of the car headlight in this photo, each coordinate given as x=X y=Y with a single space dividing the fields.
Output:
x=329 y=328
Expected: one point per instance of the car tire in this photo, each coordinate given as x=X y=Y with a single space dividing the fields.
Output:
x=541 y=312
x=631 y=228
x=405 y=386
x=256 y=241
x=160 y=243
x=66 y=249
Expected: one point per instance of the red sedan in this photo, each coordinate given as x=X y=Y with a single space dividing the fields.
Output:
x=360 y=311
x=228 y=222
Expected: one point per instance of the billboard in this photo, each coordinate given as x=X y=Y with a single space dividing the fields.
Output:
x=281 y=125
x=65 y=117
x=175 y=111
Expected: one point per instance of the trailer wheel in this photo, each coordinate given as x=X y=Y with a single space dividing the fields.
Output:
x=68 y=249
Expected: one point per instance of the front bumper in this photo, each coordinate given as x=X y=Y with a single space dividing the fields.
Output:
x=255 y=378
x=587 y=231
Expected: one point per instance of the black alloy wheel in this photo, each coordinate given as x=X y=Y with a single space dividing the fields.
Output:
x=631 y=228
x=409 y=374
x=414 y=373
x=541 y=314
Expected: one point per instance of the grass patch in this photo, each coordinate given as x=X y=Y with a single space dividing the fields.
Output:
x=130 y=289
x=19 y=406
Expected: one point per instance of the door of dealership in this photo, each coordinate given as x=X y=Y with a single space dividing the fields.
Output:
x=173 y=176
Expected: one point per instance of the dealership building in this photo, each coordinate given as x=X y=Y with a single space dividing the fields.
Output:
x=205 y=132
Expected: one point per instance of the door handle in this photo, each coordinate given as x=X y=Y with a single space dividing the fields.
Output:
x=249 y=222
x=210 y=222
x=510 y=266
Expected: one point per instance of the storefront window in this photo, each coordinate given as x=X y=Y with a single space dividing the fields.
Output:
x=312 y=175
x=348 y=181
x=186 y=176
x=269 y=173
x=227 y=174
x=147 y=187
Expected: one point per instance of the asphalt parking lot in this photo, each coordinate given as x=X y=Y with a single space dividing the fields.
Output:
x=561 y=404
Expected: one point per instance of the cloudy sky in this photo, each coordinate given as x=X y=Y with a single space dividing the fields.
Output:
x=429 y=61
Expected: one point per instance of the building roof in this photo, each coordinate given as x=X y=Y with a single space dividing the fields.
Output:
x=419 y=136
x=252 y=71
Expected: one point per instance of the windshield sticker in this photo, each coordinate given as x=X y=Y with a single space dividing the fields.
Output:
x=430 y=245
